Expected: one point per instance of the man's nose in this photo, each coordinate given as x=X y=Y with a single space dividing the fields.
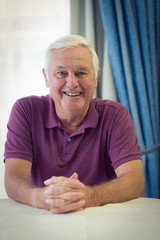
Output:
x=72 y=80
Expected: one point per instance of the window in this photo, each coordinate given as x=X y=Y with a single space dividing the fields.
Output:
x=26 y=28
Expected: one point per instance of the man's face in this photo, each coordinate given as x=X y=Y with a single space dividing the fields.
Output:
x=71 y=79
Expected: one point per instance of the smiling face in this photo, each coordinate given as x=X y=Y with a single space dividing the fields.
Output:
x=71 y=79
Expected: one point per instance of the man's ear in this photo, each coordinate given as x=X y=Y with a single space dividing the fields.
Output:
x=45 y=77
x=96 y=80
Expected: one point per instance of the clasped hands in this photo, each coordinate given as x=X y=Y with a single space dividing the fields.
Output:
x=64 y=194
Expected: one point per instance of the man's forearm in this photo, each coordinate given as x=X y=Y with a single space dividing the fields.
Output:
x=22 y=190
x=121 y=189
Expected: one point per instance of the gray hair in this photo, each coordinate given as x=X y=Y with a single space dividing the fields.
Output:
x=71 y=41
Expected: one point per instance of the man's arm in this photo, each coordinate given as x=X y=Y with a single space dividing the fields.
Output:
x=19 y=187
x=129 y=184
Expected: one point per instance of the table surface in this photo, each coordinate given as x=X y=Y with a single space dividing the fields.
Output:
x=137 y=219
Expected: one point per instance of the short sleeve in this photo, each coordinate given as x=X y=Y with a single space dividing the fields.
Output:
x=19 y=137
x=123 y=142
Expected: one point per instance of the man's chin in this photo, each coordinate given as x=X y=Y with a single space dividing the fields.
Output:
x=73 y=107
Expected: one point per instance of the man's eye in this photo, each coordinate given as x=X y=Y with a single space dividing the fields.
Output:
x=61 y=74
x=81 y=74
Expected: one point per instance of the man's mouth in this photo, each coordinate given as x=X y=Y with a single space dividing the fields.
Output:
x=73 y=94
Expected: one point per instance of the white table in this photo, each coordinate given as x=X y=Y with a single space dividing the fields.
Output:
x=137 y=219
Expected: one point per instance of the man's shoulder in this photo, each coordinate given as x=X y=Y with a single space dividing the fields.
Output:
x=33 y=101
x=102 y=104
x=31 y=105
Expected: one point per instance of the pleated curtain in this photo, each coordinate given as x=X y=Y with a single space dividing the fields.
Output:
x=132 y=30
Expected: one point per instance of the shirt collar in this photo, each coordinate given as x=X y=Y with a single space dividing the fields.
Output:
x=92 y=116
x=51 y=119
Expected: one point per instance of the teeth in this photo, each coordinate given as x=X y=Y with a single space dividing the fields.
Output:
x=72 y=94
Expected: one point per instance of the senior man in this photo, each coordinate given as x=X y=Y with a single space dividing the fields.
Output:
x=67 y=151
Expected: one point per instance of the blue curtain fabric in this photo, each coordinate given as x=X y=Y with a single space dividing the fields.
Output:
x=132 y=29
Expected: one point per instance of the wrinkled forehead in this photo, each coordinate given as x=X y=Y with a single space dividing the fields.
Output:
x=76 y=57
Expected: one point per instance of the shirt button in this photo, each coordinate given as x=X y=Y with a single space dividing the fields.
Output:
x=68 y=139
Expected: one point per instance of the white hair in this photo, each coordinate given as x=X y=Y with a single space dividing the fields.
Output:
x=71 y=41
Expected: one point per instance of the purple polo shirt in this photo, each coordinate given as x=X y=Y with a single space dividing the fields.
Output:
x=105 y=140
